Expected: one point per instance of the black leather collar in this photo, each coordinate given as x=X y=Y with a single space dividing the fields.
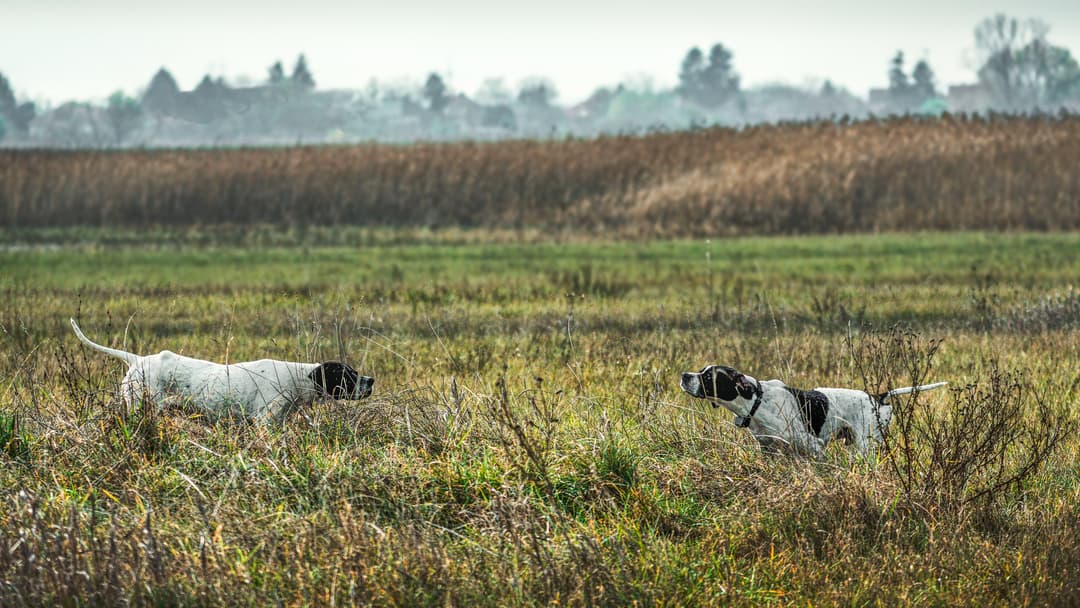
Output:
x=744 y=421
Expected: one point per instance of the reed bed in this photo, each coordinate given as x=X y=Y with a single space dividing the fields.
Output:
x=957 y=172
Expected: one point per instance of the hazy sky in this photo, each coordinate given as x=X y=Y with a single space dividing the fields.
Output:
x=62 y=49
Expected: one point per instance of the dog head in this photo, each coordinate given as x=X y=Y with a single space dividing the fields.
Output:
x=341 y=381
x=722 y=386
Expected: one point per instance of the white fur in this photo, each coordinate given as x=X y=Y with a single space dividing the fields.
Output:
x=778 y=423
x=264 y=390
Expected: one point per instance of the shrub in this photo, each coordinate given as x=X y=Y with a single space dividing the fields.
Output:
x=992 y=436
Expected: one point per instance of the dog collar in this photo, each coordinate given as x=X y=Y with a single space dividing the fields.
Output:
x=744 y=421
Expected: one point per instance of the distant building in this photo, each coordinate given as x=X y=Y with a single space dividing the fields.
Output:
x=880 y=101
x=461 y=109
x=887 y=101
x=969 y=97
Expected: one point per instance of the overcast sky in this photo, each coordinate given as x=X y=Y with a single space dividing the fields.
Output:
x=55 y=50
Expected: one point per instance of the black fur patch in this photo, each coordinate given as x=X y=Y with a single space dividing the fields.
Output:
x=813 y=406
x=335 y=379
x=716 y=381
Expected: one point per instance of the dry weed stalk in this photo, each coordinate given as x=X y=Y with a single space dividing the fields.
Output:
x=978 y=449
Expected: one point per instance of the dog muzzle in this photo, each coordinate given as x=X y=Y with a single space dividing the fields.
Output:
x=364 y=387
x=691 y=383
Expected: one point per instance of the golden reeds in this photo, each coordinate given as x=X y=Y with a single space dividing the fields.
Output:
x=901 y=174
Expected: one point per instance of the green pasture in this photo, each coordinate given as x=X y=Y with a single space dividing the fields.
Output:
x=527 y=442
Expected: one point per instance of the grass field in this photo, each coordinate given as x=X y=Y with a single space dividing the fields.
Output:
x=527 y=442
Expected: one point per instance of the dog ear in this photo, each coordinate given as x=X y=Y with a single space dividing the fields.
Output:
x=745 y=388
x=321 y=377
x=335 y=379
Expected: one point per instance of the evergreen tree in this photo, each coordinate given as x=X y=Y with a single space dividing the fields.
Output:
x=898 y=79
x=276 y=73
x=301 y=75
x=435 y=93
x=16 y=116
x=7 y=97
x=161 y=95
x=720 y=83
x=710 y=84
x=923 y=78
x=690 y=75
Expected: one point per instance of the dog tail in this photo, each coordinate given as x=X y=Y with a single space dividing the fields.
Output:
x=129 y=358
x=910 y=389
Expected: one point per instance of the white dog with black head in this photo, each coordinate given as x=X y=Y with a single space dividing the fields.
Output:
x=266 y=390
x=796 y=421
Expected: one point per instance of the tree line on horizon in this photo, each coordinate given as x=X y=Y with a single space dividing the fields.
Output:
x=1020 y=71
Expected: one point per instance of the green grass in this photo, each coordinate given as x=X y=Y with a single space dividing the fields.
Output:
x=527 y=442
x=808 y=259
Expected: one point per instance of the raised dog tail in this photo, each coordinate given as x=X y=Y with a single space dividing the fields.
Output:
x=129 y=358
x=910 y=389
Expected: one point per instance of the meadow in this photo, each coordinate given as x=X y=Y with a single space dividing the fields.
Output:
x=527 y=442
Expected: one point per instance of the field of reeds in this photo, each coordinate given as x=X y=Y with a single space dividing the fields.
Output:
x=527 y=443
x=996 y=173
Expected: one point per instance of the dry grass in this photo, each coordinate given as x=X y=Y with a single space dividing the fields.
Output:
x=897 y=175
x=527 y=447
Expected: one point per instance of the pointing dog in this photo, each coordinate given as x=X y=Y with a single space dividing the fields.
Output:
x=264 y=390
x=786 y=419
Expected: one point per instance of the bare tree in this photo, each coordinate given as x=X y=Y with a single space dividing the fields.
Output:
x=124 y=115
x=1020 y=67
x=74 y=125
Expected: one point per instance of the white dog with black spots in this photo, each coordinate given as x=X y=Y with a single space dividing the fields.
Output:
x=791 y=420
x=265 y=390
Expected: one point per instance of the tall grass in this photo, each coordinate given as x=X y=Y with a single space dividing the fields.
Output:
x=902 y=174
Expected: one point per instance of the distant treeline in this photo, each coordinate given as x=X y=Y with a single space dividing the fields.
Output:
x=1021 y=71
x=996 y=173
